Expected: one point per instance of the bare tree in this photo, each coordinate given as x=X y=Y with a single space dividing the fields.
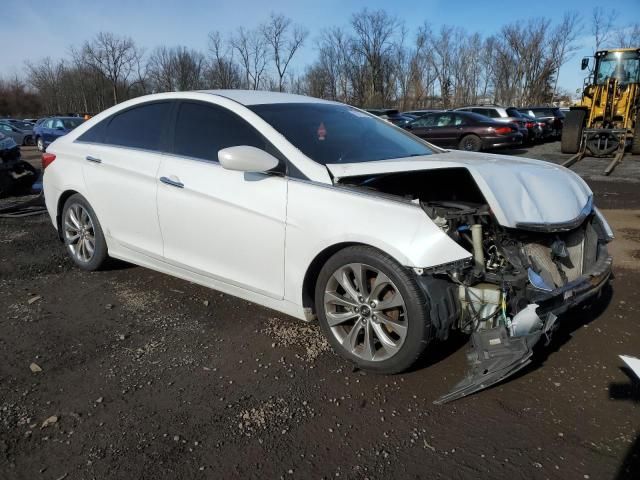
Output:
x=602 y=22
x=160 y=67
x=284 y=39
x=176 y=69
x=222 y=71
x=250 y=46
x=628 y=37
x=375 y=40
x=563 y=42
x=114 y=57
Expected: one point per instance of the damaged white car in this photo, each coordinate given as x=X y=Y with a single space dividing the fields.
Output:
x=320 y=210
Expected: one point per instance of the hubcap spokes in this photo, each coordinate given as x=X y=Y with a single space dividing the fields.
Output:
x=79 y=233
x=365 y=311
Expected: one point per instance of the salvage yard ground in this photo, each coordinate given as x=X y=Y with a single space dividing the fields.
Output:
x=128 y=373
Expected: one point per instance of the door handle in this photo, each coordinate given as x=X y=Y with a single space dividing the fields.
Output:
x=173 y=183
x=93 y=159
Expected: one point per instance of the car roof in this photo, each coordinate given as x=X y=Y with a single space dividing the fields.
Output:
x=259 y=97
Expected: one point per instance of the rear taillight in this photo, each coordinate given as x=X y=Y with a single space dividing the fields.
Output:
x=503 y=130
x=47 y=159
x=529 y=124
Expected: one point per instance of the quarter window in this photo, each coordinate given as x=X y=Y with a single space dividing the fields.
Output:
x=202 y=130
x=139 y=127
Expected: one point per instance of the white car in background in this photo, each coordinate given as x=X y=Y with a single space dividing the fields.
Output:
x=320 y=210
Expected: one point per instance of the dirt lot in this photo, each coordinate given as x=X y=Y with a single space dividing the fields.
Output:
x=146 y=376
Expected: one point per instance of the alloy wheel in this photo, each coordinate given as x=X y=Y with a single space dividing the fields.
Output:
x=365 y=312
x=79 y=232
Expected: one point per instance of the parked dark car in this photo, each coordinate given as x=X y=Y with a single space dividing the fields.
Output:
x=552 y=116
x=392 y=115
x=52 y=128
x=500 y=114
x=22 y=136
x=21 y=124
x=536 y=128
x=465 y=131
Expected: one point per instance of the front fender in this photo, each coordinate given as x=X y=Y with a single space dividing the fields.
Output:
x=320 y=216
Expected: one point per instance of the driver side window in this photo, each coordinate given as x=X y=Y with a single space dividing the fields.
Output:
x=201 y=130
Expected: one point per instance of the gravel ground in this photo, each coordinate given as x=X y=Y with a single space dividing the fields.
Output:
x=128 y=373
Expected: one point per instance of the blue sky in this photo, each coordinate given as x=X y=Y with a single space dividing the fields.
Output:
x=32 y=29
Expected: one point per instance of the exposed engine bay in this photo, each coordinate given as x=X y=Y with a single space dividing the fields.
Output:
x=508 y=294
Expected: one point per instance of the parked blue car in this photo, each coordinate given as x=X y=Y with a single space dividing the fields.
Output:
x=53 y=127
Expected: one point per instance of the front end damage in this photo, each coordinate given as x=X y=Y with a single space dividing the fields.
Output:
x=508 y=295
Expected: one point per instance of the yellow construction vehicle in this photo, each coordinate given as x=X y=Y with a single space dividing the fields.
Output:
x=608 y=117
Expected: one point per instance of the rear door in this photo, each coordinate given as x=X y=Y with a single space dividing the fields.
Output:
x=123 y=155
x=227 y=225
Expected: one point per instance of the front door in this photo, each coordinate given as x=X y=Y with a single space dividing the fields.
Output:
x=227 y=225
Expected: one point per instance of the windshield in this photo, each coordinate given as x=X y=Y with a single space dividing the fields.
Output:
x=329 y=133
x=623 y=66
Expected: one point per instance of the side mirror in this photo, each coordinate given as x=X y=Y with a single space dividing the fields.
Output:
x=247 y=159
x=585 y=63
x=60 y=128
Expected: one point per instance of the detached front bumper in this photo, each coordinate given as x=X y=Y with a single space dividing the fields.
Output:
x=496 y=355
x=561 y=299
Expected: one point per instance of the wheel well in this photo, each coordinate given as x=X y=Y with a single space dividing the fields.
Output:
x=61 y=201
x=311 y=276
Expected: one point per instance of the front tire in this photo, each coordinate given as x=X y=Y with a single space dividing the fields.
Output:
x=40 y=144
x=372 y=311
x=82 y=234
x=572 y=131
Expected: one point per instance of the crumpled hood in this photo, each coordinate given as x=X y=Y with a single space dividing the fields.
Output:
x=518 y=190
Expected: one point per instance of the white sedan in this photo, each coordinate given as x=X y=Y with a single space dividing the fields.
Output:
x=320 y=210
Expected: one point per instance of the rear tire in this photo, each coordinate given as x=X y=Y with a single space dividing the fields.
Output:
x=82 y=234
x=470 y=143
x=635 y=142
x=398 y=332
x=572 y=131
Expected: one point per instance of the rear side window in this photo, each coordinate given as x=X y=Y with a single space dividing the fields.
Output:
x=139 y=127
x=96 y=133
x=201 y=130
